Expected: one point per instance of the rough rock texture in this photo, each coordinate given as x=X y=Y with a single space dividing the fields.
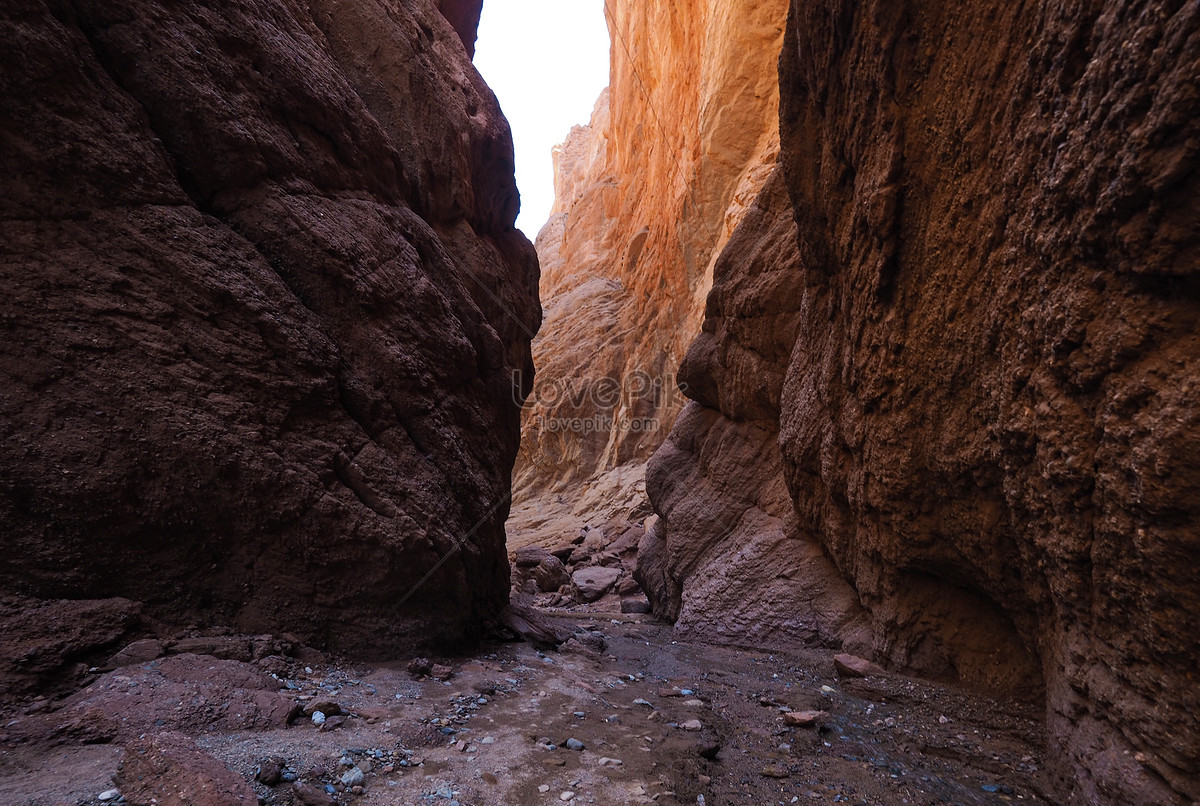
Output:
x=51 y=643
x=263 y=303
x=463 y=15
x=993 y=404
x=728 y=560
x=990 y=412
x=646 y=194
x=168 y=769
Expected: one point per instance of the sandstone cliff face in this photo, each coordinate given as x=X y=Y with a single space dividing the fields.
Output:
x=263 y=303
x=989 y=415
x=646 y=194
x=727 y=561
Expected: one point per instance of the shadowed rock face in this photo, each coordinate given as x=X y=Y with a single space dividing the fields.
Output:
x=262 y=305
x=989 y=415
x=727 y=561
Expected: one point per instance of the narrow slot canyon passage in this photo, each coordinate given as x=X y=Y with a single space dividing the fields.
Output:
x=480 y=402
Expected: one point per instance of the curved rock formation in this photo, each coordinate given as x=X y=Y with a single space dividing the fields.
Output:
x=728 y=561
x=989 y=416
x=646 y=195
x=263 y=305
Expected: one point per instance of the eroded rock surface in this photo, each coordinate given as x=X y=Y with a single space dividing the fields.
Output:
x=263 y=306
x=728 y=561
x=989 y=414
x=646 y=194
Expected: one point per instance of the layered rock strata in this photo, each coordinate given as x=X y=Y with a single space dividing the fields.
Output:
x=989 y=416
x=646 y=194
x=263 y=306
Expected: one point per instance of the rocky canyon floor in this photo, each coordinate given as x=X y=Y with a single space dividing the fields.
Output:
x=620 y=713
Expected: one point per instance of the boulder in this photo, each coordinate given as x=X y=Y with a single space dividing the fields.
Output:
x=594 y=582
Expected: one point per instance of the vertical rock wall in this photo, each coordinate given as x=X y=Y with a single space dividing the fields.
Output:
x=989 y=416
x=728 y=560
x=677 y=148
x=263 y=302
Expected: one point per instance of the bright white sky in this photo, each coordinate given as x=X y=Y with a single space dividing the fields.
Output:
x=547 y=61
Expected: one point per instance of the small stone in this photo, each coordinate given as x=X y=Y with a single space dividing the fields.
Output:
x=704 y=780
x=943 y=720
x=574 y=744
x=670 y=692
x=269 y=772
x=327 y=707
x=636 y=605
x=544 y=788
x=488 y=740
x=611 y=762
x=566 y=796
x=694 y=703
x=854 y=666
x=318 y=718
x=692 y=725
x=420 y=667
x=311 y=796
x=353 y=777
x=440 y=672
x=640 y=701
x=109 y=794
x=333 y=722
x=805 y=719
x=775 y=771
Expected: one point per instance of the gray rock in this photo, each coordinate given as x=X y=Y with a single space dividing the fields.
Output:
x=353 y=777
x=594 y=582
x=574 y=744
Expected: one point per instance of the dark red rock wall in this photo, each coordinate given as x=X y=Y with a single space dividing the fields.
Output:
x=463 y=15
x=990 y=415
x=994 y=400
x=262 y=298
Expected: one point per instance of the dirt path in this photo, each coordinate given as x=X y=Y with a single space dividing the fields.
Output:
x=496 y=732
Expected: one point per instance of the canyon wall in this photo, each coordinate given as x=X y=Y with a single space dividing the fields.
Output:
x=727 y=560
x=263 y=306
x=984 y=383
x=646 y=195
